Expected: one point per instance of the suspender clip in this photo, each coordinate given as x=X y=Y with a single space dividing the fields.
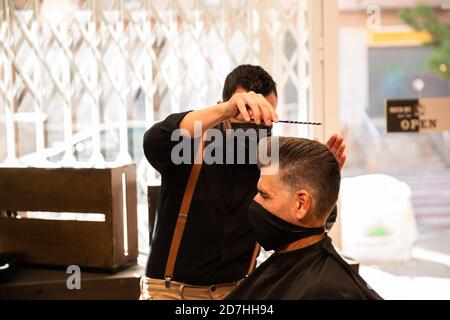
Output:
x=167 y=281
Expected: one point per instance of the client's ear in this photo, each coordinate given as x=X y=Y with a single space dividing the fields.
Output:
x=304 y=205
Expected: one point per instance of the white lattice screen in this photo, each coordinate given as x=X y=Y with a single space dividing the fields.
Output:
x=80 y=81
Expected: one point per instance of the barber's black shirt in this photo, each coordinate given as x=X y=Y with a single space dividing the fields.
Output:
x=316 y=272
x=217 y=242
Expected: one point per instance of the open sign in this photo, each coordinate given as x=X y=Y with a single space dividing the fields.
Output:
x=417 y=125
x=414 y=115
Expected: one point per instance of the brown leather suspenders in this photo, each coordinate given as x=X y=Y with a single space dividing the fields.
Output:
x=253 y=259
x=182 y=217
x=183 y=214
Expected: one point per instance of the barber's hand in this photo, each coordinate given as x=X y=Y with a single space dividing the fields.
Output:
x=337 y=146
x=248 y=106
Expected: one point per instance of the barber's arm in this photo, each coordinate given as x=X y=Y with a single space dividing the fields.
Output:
x=337 y=145
x=157 y=141
x=244 y=106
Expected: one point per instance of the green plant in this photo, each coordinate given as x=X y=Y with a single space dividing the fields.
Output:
x=423 y=18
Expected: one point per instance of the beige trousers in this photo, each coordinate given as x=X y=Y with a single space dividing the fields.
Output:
x=155 y=289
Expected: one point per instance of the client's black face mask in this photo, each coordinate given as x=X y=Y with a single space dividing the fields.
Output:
x=273 y=232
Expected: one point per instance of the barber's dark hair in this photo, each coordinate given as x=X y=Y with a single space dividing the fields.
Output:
x=310 y=165
x=250 y=78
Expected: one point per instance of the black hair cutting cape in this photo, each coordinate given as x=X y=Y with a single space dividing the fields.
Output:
x=315 y=272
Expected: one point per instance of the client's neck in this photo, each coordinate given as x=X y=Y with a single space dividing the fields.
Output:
x=302 y=243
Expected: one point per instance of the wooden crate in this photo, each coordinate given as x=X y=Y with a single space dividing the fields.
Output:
x=95 y=245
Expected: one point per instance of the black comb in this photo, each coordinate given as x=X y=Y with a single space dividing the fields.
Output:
x=301 y=122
